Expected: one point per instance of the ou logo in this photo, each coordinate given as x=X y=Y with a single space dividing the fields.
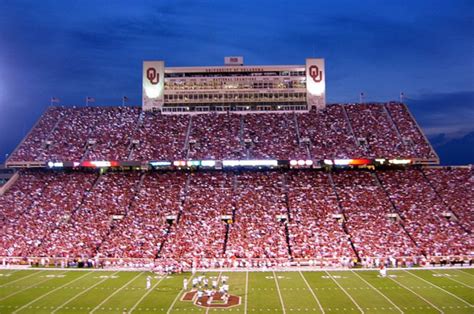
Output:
x=315 y=73
x=153 y=76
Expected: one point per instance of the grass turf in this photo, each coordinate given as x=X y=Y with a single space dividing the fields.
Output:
x=414 y=291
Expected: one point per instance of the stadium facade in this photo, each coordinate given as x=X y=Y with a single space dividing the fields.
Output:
x=234 y=87
x=234 y=166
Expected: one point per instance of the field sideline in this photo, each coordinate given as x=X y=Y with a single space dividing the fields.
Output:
x=62 y=291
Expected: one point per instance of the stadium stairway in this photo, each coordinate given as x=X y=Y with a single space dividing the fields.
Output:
x=341 y=210
x=395 y=209
x=392 y=123
x=438 y=195
x=188 y=133
x=136 y=190
x=182 y=201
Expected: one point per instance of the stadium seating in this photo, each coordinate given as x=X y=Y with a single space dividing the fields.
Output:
x=422 y=211
x=455 y=186
x=272 y=215
x=366 y=208
x=127 y=133
x=256 y=231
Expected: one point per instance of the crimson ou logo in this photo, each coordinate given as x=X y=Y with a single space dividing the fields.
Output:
x=153 y=76
x=315 y=74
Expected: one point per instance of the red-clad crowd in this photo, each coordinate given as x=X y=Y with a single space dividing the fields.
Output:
x=216 y=217
x=127 y=133
x=425 y=215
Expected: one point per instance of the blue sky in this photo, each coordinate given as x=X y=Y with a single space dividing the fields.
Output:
x=74 y=49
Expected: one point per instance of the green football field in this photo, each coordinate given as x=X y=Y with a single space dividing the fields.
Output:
x=415 y=291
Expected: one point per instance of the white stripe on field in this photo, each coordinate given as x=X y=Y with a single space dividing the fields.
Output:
x=436 y=286
x=147 y=293
x=279 y=293
x=26 y=288
x=82 y=292
x=177 y=297
x=48 y=293
x=419 y=296
x=34 y=273
x=344 y=290
x=450 y=278
x=246 y=290
x=118 y=290
x=312 y=292
x=218 y=280
x=377 y=290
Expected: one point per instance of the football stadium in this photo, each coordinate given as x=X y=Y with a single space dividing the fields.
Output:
x=234 y=189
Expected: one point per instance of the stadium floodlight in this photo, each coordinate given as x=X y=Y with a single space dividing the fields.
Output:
x=342 y=162
x=208 y=163
x=160 y=163
x=193 y=163
x=309 y=162
x=328 y=162
x=179 y=163
x=230 y=163
x=399 y=161
x=256 y=163
x=52 y=164
x=301 y=162
x=250 y=163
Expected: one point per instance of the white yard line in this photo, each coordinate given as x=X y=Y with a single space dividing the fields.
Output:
x=465 y=272
x=26 y=288
x=377 y=290
x=177 y=297
x=312 y=292
x=49 y=292
x=82 y=292
x=218 y=279
x=436 y=286
x=34 y=273
x=419 y=296
x=117 y=291
x=147 y=293
x=279 y=293
x=462 y=283
x=246 y=290
x=350 y=297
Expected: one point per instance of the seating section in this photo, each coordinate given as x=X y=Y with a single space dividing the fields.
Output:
x=216 y=137
x=455 y=186
x=315 y=231
x=34 y=146
x=127 y=133
x=160 y=137
x=82 y=233
x=329 y=134
x=36 y=205
x=412 y=136
x=144 y=228
x=200 y=232
x=372 y=125
x=271 y=215
x=272 y=136
x=366 y=208
x=422 y=211
x=256 y=231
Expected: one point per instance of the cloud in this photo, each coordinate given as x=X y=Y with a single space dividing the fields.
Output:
x=449 y=113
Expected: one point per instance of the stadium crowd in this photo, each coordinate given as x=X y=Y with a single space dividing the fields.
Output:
x=222 y=218
x=127 y=133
